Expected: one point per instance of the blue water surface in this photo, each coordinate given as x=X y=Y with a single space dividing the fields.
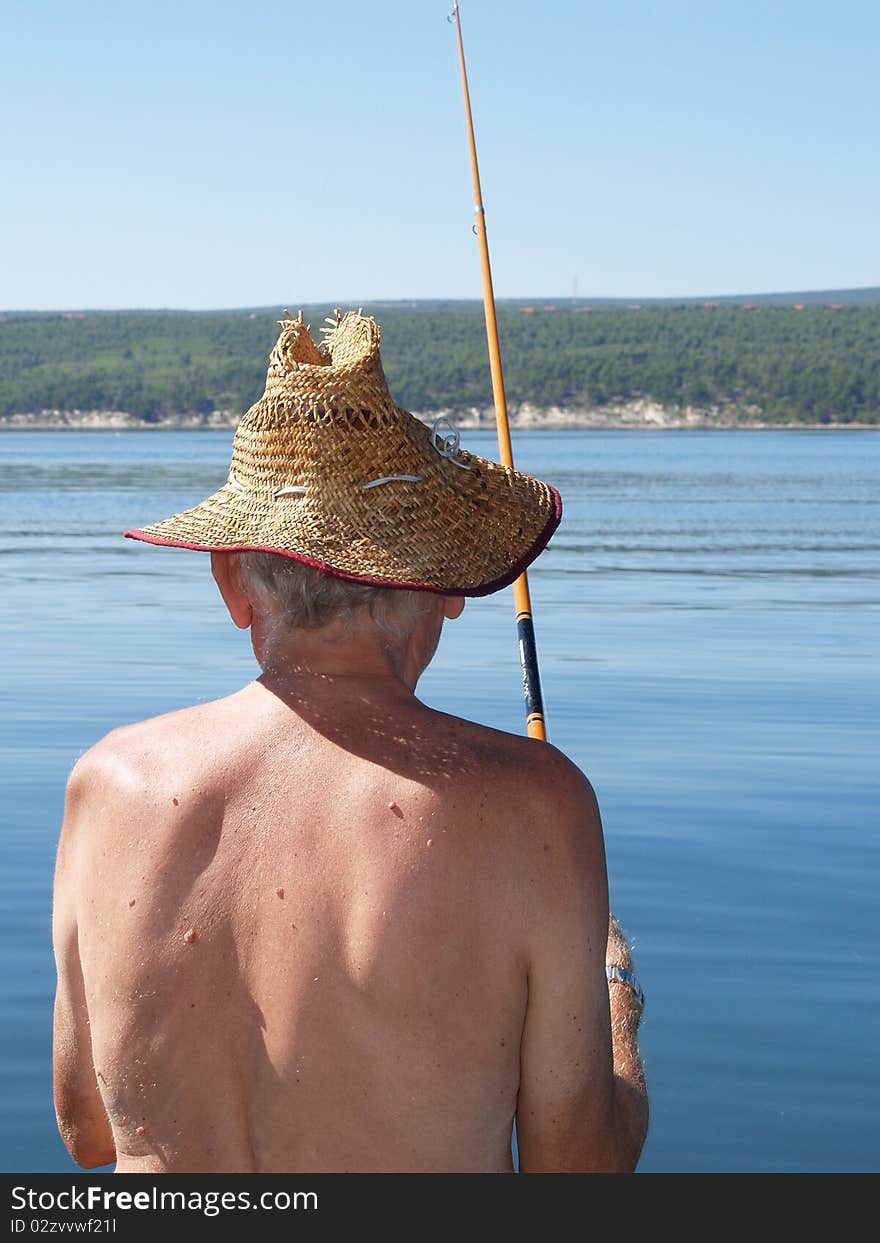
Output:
x=707 y=626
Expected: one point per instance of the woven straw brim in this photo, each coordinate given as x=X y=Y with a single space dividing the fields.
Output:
x=316 y=475
x=490 y=544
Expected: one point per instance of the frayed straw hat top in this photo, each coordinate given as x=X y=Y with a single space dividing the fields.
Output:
x=328 y=470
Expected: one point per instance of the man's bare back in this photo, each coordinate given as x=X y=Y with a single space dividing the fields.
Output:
x=317 y=926
x=320 y=951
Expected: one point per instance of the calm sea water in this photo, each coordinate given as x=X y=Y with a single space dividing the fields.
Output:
x=707 y=625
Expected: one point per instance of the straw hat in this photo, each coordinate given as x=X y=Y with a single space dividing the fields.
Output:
x=328 y=470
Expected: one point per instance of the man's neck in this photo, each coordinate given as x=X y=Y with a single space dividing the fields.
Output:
x=355 y=653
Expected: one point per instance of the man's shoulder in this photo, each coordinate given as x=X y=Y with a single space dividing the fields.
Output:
x=534 y=772
x=499 y=746
x=537 y=818
x=128 y=754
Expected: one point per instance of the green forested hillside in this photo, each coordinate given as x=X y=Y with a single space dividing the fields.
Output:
x=769 y=362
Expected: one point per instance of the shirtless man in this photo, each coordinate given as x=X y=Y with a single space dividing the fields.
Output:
x=318 y=926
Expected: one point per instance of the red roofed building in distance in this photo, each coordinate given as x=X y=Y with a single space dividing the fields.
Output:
x=799 y=306
x=527 y=310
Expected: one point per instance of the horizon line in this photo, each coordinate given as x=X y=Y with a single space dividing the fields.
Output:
x=527 y=299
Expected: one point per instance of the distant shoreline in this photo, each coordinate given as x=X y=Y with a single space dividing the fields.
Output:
x=680 y=367
x=637 y=416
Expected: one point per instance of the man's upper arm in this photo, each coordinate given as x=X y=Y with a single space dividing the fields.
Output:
x=565 y=1111
x=82 y=1119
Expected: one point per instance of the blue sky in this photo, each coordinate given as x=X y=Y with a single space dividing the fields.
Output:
x=247 y=154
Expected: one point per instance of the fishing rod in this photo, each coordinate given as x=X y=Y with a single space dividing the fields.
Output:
x=528 y=652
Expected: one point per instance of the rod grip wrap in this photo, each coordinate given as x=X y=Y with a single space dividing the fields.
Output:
x=528 y=655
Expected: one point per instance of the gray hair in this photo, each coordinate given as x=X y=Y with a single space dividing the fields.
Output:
x=298 y=596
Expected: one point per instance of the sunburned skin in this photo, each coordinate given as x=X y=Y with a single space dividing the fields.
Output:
x=369 y=1013
x=362 y=1033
